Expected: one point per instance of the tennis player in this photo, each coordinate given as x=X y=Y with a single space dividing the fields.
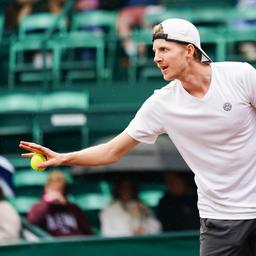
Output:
x=208 y=111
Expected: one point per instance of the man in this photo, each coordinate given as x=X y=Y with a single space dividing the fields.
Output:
x=208 y=110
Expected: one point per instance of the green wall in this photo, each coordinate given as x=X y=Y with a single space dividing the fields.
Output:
x=183 y=244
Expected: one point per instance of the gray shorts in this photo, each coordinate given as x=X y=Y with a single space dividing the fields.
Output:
x=227 y=237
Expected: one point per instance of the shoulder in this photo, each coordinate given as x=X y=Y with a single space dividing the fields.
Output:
x=238 y=73
x=112 y=207
x=7 y=208
x=167 y=89
x=232 y=66
x=163 y=94
x=5 y=205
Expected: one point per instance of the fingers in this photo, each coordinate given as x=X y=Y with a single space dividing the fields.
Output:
x=53 y=158
x=30 y=146
x=28 y=155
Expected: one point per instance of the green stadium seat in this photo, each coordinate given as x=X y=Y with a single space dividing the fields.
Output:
x=216 y=16
x=71 y=65
x=62 y=120
x=17 y=113
x=29 y=183
x=92 y=201
x=103 y=22
x=65 y=101
x=32 y=39
x=28 y=177
x=213 y=42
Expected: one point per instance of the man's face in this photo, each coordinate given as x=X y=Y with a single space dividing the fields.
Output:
x=170 y=58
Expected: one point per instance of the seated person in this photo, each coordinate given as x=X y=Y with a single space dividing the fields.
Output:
x=55 y=213
x=177 y=209
x=126 y=215
x=10 y=224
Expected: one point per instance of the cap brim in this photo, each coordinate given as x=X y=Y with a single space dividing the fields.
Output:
x=205 y=57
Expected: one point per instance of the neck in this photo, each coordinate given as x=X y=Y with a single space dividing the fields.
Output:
x=196 y=79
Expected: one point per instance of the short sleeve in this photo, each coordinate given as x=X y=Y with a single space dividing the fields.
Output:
x=147 y=124
x=249 y=80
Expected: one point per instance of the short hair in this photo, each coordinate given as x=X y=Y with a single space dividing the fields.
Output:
x=58 y=176
x=158 y=29
x=121 y=181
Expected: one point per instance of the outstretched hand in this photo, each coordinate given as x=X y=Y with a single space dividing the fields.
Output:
x=53 y=158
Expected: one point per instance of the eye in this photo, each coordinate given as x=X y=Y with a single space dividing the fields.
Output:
x=163 y=49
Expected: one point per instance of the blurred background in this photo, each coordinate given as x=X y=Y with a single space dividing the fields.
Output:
x=73 y=74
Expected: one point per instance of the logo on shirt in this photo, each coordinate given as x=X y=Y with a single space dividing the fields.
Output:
x=227 y=106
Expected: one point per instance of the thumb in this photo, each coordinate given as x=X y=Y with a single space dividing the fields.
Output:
x=48 y=163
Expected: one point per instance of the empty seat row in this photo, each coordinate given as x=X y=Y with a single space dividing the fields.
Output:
x=36 y=117
x=53 y=50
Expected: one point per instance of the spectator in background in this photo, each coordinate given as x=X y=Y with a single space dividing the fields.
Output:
x=130 y=16
x=10 y=224
x=177 y=209
x=55 y=213
x=126 y=215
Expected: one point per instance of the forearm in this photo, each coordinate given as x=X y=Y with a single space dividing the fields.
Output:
x=102 y=154
x=93 y=156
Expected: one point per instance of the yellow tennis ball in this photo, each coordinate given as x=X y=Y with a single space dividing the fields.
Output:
x=37 y=159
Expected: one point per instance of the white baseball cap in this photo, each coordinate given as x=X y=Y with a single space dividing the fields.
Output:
x=181 y=30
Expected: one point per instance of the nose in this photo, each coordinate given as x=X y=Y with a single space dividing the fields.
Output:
x=157 y=58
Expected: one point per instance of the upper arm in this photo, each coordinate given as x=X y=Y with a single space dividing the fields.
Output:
x=121 y=144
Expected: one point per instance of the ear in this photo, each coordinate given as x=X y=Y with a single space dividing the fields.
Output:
x=190 y=50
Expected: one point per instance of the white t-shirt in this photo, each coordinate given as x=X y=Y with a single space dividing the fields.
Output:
x=216 y=135
x=122 y=220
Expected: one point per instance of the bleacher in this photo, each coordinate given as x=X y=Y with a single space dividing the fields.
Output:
x=71 y=103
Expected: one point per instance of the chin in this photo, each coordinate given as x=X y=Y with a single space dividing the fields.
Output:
x=167 y=78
